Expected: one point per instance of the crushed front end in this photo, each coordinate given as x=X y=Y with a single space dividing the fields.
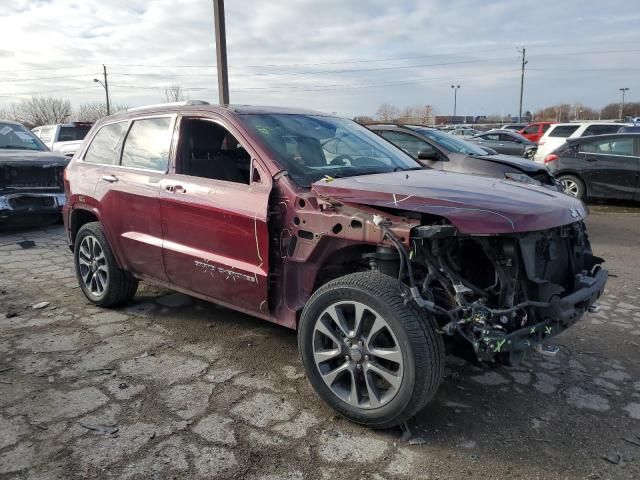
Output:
x=31 y=192
x=499 y=294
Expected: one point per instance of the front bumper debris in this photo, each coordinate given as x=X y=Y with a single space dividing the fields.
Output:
x=23 y=206
x=560 y=315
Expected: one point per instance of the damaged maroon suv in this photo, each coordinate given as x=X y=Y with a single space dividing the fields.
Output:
x=315 y=223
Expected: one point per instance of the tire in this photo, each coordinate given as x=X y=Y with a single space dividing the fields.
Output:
x=409 y=336
x=573 y=186
x=100 y=277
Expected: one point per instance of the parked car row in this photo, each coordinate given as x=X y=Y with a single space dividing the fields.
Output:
x=318 y=224
x=63 y=138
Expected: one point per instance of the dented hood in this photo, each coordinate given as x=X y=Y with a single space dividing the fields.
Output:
x=474 y=204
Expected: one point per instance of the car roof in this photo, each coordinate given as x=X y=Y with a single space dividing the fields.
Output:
x=10 y=122
x=199 y=106
x=606 y=136
x=589 y=122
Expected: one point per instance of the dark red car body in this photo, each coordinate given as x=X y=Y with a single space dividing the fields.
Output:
x=264 y=248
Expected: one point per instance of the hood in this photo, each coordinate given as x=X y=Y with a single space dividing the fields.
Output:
x=474 y=204
x=521 y=164
x=26 y=158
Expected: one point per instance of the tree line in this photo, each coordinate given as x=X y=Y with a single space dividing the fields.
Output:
x=36 y=111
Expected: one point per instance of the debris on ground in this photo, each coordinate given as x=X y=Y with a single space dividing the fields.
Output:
x=27 y=244
x=613 y=458
x=102 y=429
x=40 y=305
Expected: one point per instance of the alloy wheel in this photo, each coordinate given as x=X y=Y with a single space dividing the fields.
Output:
x=570 y=187
x=357 y=354
x=92 y=265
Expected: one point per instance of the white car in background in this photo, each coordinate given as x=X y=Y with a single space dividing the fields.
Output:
x=464 y=132
x=63 y=138
x=558 y=133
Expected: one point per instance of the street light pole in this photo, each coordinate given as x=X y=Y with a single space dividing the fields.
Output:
x=524 y=62
x=455 y=101
x=105 y=85
x=623 y=90
x=221 y=52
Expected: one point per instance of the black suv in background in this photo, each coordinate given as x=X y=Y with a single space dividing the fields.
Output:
x=599 y=167
x=441 y=151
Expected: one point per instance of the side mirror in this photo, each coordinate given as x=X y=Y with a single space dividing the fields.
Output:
x=428 y=155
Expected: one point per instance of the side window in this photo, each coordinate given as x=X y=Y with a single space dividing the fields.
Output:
x=507 y=138
x=600 y=129
x=407 y=142
x=619 y=146
x=147 y=144
x=563 y=131
x=208 y=150
x=494 y=137
x=531 y=129
x=104 y=146
x=46 y=134
x=545 y=127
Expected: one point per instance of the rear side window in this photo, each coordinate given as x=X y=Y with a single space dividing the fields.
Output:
x=147 y=144
x=563 y=131
x=615 y=146
x=68 y=134
x=545 y=127
x=531 y=129
x=104 y=146
x=600 y=130
x=46 y=134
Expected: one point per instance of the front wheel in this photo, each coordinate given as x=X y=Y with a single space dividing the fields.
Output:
x=100 y=277
x=573 y=186
x=370 y=356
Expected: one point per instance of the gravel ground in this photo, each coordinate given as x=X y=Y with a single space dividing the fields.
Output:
x=172 y=387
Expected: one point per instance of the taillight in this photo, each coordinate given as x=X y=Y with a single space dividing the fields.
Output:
x=550 y=158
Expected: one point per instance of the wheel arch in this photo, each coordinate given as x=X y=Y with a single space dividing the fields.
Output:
x=573 y=173
x=79 y=217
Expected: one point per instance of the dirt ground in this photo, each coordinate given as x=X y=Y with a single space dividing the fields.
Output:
x=178 y=388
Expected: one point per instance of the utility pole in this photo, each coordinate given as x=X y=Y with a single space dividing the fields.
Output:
x=524 y=62
x=105 y=85
x=623 y=90
x=221 y=51
x=455 y=101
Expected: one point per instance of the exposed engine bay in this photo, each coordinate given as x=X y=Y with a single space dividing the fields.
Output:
x=501 y=294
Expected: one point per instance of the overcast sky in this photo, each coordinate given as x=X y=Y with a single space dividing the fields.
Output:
x=335 y=56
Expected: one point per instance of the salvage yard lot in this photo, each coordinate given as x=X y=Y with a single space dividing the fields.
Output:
x=174 y=387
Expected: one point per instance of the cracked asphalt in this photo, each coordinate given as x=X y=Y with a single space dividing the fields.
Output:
x=173 y=387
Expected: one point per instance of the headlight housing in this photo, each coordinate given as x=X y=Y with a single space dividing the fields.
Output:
x=522 y=178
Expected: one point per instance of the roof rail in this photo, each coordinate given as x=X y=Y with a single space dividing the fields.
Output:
x=186 y=103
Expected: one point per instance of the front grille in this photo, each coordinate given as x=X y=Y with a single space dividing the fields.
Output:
x=26 y=202
x=31 y=177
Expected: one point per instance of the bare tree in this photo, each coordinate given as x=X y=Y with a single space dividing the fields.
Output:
x=36 y=111
x=387 y=112
x=93 y=111
x=175 y=93
x=363 y=119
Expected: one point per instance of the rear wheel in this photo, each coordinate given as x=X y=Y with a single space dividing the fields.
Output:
x=573 y=186
x=368 y=355
x=101 y=279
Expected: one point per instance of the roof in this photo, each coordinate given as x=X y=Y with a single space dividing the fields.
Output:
x=10 y=122
x=590 y=138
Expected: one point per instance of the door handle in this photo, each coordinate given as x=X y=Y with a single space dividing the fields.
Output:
x=110 y=178
x=175 y=188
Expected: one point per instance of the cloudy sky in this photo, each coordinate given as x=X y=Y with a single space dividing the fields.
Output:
x=330 y=55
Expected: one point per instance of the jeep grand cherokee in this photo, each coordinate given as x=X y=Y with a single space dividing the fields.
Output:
x=377 y=262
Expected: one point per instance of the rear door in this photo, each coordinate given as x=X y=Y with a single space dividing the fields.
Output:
x=510 y=145
x=491 y=140
x=610 y=167
x=214 y=216
x=129 y=194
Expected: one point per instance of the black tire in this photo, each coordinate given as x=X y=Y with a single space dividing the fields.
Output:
x=120 y=286
x=421 y=346
x=573 y=186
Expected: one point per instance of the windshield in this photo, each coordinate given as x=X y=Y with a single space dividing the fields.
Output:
x=311 y=147
x=451 y=143
x=16 y=137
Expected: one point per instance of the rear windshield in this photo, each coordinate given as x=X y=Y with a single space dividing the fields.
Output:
x=68 y=134
x=563 y=131
x=17 y=137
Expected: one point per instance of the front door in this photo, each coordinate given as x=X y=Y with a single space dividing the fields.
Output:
x=129 y=193
x=214 y=216
x=611 y=167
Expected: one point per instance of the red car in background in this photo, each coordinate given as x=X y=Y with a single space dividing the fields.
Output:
x=534 y=131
